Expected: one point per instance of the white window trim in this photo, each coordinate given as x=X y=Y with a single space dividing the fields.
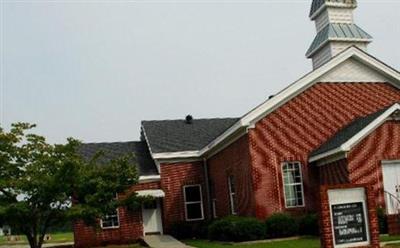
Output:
x=214 y=208
x=301 y=184
x=110 y=227
x=231 y=199
x=194 y=202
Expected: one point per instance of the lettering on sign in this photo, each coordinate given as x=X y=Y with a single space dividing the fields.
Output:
x=349 y=224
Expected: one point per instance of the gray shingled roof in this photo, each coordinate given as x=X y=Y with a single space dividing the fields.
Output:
x=342 y=31
x=347 y=133
x=178 y=136
x=146 y=165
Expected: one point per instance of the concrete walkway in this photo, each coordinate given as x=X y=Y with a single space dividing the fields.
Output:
x=163 y=241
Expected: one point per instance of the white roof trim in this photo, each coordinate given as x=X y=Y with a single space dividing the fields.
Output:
x=368 y=129
x=325 y=154
x=169 y=155
x=157 y=193
x=143 y=179
x=288 y=93
x=345 y=147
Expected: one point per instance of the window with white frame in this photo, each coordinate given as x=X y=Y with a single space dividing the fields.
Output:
x=293 y=184
x=232 y=194
x=193 y=202
x=110 y=220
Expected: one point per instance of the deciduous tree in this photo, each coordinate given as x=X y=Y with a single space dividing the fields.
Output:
x=43 y=185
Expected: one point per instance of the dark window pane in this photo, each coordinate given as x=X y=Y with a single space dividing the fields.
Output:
x=150 y=205
x=110 y=220
x=194 y=211
x=192 y=193
x=232 y=184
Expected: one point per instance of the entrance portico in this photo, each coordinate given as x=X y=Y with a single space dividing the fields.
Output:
x=151 y=211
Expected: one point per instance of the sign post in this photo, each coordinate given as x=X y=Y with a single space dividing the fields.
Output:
x=348 y=217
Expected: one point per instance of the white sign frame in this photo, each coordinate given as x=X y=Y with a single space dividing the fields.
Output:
x=344 y=196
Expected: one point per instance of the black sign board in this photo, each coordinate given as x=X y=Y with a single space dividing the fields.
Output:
x=349 y=224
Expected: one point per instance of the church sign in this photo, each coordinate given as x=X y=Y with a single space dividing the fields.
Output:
x=347 y=215
x=349 y=223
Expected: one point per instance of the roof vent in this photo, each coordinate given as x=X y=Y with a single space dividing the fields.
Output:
x=189 y=119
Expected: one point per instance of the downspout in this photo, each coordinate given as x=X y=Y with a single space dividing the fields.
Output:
x=207 y=184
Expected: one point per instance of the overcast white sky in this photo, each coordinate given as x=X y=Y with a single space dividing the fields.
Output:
x=94 y=69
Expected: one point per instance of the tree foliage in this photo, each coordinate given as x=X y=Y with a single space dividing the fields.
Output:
x=44 y=185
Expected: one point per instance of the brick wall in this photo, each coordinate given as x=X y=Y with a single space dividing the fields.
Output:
x=233 y=160
x=326 y=224
x=334 y=173
x=300 y=126
x=130 y=230
x=393 y=221
x=365 y=158
x=365 y=163
x=173 y=178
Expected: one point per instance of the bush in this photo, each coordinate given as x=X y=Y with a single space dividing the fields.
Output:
x=181 y=230
x=236 y=229
x=382 y=220
x=189 y=230
x=281 y=225
x=308 y=224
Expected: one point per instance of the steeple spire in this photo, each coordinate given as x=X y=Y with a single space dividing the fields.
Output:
x=336 y=30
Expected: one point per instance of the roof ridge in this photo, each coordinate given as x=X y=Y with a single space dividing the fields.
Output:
x=194 y=119
x=112 y=142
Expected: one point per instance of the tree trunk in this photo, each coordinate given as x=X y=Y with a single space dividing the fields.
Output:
x=32 y=241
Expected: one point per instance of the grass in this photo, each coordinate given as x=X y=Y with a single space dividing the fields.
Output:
x=124 y=246
x=55 y=238
x=304 y=242
x=386 y=238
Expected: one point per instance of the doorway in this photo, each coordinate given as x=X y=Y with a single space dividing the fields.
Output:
x=151 y=213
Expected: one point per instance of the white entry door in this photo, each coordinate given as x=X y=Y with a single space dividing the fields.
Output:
x=391 y=185
x=151 y=212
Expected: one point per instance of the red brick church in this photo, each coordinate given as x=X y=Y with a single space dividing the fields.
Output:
x=340 y=123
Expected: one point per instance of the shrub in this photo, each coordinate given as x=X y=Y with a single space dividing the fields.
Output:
x=236 y=229
x=189 y=230
x=222 y=230
x=281 y=225
x=382 y=220
x=181 y=230
x=308 y=224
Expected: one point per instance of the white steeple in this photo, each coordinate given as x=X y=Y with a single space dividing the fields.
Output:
x=336 y=30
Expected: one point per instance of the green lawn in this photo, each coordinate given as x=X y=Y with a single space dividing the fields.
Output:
x=305 y=242
x=55 y=238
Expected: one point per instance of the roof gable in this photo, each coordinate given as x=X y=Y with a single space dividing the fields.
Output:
x=353 y=133
x=146 y=165
x=169 y=136
x=352 y=70
x=248 y=120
